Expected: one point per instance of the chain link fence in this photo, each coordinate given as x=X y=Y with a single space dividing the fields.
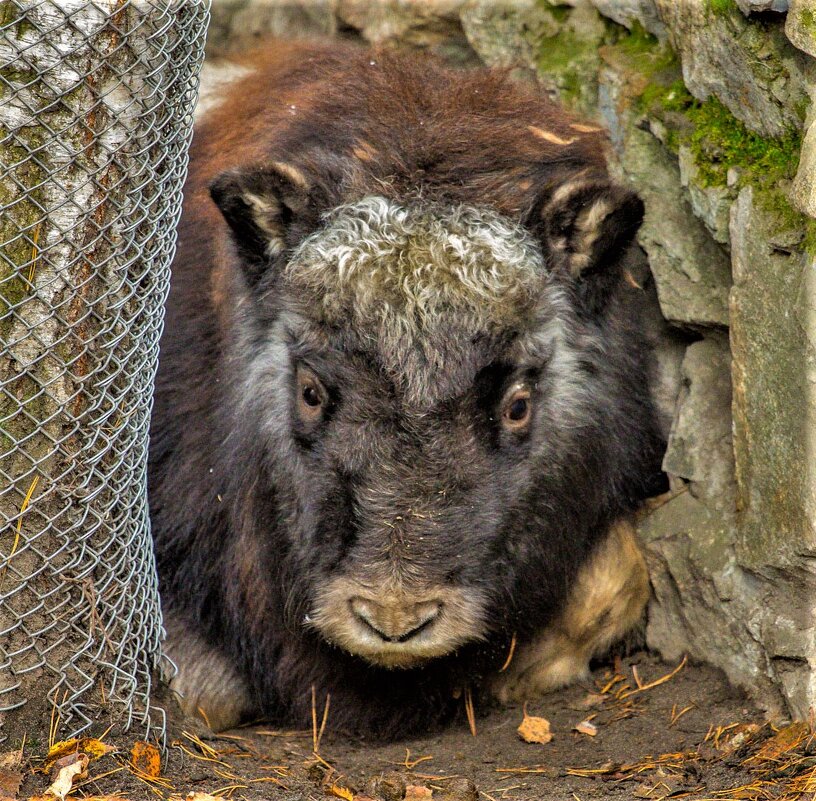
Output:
x=96 y=102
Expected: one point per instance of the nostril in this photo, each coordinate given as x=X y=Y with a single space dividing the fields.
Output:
x=363 y=610
x=395 y=623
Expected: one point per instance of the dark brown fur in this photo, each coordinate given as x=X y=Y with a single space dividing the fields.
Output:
x=355 y=124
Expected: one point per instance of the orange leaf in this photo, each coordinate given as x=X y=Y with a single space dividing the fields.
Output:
x=416 y=792
x=341 y=792
x=146 y=759
x=92 y=748
x=783 y=741
x=534 y=730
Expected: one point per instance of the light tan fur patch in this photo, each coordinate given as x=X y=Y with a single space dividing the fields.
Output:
x=606 y=602
x=292 y=173
x=548 y=136
x=588 y=225
x=364 y=151
x=565 y=191
x=265 y=214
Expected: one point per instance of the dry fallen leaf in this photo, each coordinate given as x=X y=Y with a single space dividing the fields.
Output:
x=338 y=791
x=736 y=737
x=59 y=749
x=416 y=792
x=10 y=777
x=548 y=136
x=784 y=740
x=11 y=760
x=146 y=759
x=73 y=767
x=203 y=797
x=89 y=746
x=586 y=727
x=77 y=798
x=534 y=730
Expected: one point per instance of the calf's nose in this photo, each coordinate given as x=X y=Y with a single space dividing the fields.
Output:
x=395 y=621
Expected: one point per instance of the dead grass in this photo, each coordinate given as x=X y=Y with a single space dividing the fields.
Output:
x=766 y=762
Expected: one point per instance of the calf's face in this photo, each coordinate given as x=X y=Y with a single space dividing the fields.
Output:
x=413 y=370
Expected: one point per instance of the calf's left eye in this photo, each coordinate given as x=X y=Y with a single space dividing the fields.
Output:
x=311 y=395
x=517 y=409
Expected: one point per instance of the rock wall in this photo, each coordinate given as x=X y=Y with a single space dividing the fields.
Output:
x=710 y=112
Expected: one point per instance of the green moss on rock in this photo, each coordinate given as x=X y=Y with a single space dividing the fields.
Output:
x=558 y=11
x=572 y=63
x=809 y=242
x=721 y=7
x=719 y=141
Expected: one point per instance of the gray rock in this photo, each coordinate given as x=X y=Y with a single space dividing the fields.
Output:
x=700 y=448
x=627 y=12
x=559 y=46
x=800 y=25
x=506 y=34
x=669 y=348
x=773 y=316
x=755 y=624
x=803 y=191
x=690 y=269
x=755 y=6
x=712 y=204
x=237 y=24
x=422 y=24
x=752 y=69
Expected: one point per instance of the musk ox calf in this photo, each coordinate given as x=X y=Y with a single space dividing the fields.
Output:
x=403 y=407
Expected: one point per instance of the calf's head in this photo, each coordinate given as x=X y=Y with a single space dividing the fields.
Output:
x=418 y=374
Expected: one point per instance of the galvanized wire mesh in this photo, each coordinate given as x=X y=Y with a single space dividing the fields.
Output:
x=96 y=101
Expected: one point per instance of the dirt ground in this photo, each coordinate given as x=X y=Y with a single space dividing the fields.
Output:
x=660 y=733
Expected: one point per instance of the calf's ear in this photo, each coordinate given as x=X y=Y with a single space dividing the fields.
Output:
x=587 y=226
x=269 y=210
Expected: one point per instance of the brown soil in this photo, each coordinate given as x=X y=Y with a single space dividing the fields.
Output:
x=690 y=717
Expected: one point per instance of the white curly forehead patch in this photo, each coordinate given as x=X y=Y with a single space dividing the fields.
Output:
x=419 y=285
x=409 y=268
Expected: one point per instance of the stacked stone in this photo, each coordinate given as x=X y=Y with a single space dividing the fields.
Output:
x=709 y=107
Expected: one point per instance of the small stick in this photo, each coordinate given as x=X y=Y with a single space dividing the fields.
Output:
x=323 y=722
x=410 y=764
x=509 y=655
x=18 y=530
x=524 y=770
x=314 y=721
x=675 y=715
x=469 y=711
x=656 y=682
